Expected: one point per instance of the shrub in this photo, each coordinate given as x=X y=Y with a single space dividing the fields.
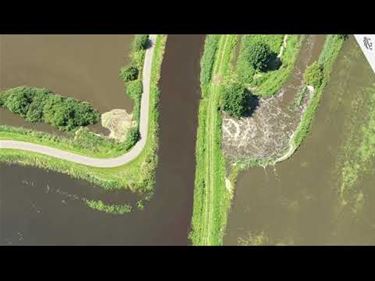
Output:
x=140 y=42
x=314 y=75
x=134 y=89
x=235 y=100
x=18 y=100
x=132 y=138
x=129 y=73
x=37 y=105
x=259 y=56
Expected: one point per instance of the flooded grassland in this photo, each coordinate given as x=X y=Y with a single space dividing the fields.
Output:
x=324 y=194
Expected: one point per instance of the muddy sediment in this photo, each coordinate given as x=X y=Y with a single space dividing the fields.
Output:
x=266 y=133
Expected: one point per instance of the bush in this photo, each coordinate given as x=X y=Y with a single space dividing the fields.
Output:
x=259 y=56
x=134 y=89
x=129 y=73
x=42 y=105
x=132 y=138
x=235 y=100
x=140 y=42
x=314 y=75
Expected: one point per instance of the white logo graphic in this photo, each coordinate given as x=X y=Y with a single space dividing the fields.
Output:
x=367 y=44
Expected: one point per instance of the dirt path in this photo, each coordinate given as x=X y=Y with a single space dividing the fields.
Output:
x=100 y=162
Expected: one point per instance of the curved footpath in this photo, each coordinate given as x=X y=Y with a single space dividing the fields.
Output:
x=100 y=162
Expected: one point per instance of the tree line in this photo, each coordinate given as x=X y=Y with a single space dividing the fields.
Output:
x=42 y=105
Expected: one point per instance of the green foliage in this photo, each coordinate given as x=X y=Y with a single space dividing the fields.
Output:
x=207 y=61
x=259 y=56
x=129 y=73
x=18 y=100
x=235 y=99
x=113 y=209
x=132 y=138
x=140 y=42
x=42 y=105
x=134 y=89
x=270 y=82
x=314 y=74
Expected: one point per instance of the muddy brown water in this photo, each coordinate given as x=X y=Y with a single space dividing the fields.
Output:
x=85 y=67
x=30 y=214
x=296 y=202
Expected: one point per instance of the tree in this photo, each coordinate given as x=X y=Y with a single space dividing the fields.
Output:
x=18 y=101
x=259 y=56
x=235 y=100
x=140 y=42
x=314 y=74
x=129 y=73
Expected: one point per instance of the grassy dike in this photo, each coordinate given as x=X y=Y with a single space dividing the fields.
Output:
x=211 y=198
x=137 y=175
x=83 y=141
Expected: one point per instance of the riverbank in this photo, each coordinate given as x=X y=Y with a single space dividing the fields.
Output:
x=211 y=198
x=138 y=175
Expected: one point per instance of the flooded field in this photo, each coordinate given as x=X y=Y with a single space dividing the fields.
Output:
x=40 y=207
x=85 y=67
x=298 y=201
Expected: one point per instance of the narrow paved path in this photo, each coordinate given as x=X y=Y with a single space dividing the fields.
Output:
x=100 y=162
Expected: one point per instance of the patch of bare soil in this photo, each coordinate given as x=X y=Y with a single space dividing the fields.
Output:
x=266 y=133
x=118 y=121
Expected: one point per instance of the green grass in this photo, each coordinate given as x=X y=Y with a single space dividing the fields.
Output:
x=137 y=175
x=211 y=198
x=113 y=209
x=270 y=82
x=85 y=143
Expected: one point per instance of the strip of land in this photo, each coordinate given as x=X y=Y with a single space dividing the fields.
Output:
x=102 y=162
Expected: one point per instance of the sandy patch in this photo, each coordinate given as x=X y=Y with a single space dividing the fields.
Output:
x=118 y=121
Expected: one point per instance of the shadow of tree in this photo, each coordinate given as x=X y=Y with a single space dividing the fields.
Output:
x=148 y=44
x=274 y=63
x=252 y=104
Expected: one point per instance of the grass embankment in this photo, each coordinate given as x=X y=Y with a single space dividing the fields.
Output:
x=269 y=82
x=137 y=175
x=83 y=141
x=211 y=198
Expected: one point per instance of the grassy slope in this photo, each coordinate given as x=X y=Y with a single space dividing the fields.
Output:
x=136 y=175
x=211 y=198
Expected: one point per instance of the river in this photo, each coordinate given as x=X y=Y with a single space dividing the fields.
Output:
x=38 y=207
x=297 y=201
